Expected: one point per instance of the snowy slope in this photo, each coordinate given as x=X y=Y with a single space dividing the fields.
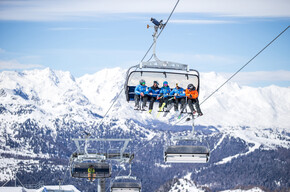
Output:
x=258 y=115
x=45 y=95
x=233 y=105
x=48 y=100
x=185 y=184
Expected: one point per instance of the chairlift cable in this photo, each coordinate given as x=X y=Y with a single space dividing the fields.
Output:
x=161 y=30
x=19 y=181
x=5 y=183
x=246 y=64
x=239 y=70
x=99 y=124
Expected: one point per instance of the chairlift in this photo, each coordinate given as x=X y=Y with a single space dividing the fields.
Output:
x=186 y=153
x=126 y=184
x=80 y=169
x=160 y=71
x=81 y=160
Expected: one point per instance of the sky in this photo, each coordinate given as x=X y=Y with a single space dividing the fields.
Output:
x=86 y=36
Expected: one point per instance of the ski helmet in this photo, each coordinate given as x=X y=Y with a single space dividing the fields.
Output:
x=156 y=82
x=191 y=87
x=142 y=82
x=165 y=83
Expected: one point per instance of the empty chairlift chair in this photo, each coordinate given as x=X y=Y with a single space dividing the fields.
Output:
x=126 y=183
x=125 y=186
x=186 y=153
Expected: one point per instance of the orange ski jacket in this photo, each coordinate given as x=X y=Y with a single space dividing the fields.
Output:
x=191 y=94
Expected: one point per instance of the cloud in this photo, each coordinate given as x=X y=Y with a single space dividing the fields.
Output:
x=51 y=10
x=246 y=78
x=2 y=50
x=201 y=21
x=71 y=28
x=13 y=64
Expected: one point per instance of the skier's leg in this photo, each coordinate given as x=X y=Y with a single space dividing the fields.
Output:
x=152 y=99
x=137 y=99
x=160 y=102
x=197 y=107
x=176 y=100
x=145 y=98
x=182 y=102
x=189 y=101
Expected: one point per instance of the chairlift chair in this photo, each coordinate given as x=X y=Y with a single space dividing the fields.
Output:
x=81 y=160
x=186 y=153
x=126 y=183
x=160 y=71
x=80 y=169
x=125 y=187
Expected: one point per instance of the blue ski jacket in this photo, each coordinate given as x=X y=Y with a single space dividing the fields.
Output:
x=165 y=91
x=178 y=92
x=154 y=90
x=140 y=88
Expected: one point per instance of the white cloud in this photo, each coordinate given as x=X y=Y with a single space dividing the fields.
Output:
x=246 y=78
x=47 y=10
x=71 y=28
x=201 y=21
x=2 y=50
x=13 y=64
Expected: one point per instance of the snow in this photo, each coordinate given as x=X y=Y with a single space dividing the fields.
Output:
x=58 y=93
x=186 y=185
x=255 y=189
x=64 y=188
x=259 y=116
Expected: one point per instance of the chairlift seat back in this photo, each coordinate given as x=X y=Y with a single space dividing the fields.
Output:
x=186 y=154
x=80 y=170
x=125 y=186
x=183 y=78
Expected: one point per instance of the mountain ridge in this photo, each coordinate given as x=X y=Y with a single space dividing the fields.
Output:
x=42 y=110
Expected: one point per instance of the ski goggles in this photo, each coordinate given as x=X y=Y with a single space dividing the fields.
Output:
x=165 y=84
x=143 y=83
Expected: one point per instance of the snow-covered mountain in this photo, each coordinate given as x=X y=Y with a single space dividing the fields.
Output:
x=42 y=110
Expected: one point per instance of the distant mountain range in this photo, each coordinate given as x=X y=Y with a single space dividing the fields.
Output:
x=41 y=111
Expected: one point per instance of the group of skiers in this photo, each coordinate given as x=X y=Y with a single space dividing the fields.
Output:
x=166 y=96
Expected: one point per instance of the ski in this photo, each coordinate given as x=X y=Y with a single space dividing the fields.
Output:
x=161 y=109
x=181 y=111
x=168 y=110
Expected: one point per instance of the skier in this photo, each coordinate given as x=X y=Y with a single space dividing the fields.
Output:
x=91 y=173
x=192 y=98
x=152 y=94
x=179 y=96
x=164 y=95
x=141 y=93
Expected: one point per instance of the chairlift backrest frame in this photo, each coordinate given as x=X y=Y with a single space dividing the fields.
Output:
x=159 y=72
x=83 y=155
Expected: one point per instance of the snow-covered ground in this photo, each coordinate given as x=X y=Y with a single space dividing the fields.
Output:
x=259 y=116
x=64 y=188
